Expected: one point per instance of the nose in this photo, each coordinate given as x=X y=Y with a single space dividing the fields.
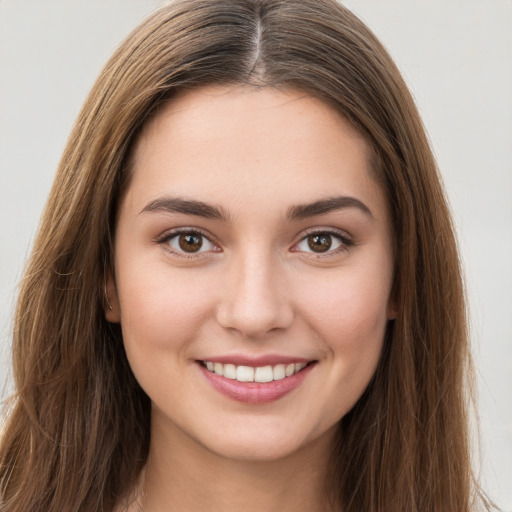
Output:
x=255 y=299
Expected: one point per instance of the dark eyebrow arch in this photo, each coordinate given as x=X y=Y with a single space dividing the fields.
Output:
x=187 y=207
x=323 y=206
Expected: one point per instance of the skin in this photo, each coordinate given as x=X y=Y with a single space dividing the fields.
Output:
x=254 y=288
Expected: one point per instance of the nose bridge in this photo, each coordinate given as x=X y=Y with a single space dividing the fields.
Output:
x=255 y=300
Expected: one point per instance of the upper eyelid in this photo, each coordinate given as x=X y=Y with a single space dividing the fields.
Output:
x=329 y=231
x=171 y=233
x=345 y=239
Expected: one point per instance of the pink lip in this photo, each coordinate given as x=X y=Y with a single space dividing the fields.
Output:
x=264 y=360
x=255 y=392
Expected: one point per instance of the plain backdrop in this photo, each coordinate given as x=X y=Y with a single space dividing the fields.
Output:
x=456 y=56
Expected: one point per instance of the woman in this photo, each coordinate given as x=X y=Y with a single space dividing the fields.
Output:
x=245 y=291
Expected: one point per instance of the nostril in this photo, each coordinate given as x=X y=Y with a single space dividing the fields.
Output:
x=250 y=321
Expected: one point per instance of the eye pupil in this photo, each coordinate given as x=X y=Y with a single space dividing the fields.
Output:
x=190 y=242
x=320 y=243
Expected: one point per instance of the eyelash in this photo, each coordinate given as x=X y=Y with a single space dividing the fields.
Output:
x=167 y=237
x=344 y=242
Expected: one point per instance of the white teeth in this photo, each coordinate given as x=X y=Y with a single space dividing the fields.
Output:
x=218 y=368
x=299 y=367
x=279 y=372
x=263 y=374
x=230 y=371
x=245 y=374
x=259 y=374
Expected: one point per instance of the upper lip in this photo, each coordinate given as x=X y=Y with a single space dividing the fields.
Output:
x=256 y=361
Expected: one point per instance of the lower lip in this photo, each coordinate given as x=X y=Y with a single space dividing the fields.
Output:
x=256 y=392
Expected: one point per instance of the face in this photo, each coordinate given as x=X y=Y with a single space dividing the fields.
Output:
x=253 y=269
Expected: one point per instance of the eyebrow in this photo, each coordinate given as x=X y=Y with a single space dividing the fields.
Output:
x=331 y=204
x=187 y=207
x=297 y=212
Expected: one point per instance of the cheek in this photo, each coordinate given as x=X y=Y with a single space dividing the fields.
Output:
x=160 y=308
x=349 y=314
x=161 y=313
x=351 y=302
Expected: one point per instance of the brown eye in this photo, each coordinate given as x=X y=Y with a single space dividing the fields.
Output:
x=190 y=242
x=320 y=242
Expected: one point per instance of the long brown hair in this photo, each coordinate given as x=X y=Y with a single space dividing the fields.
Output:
x=77 y=434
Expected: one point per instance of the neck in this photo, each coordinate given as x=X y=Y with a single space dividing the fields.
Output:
x=188 y=477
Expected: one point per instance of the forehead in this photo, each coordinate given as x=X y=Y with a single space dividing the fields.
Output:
x=227 y=142
x=256 y=110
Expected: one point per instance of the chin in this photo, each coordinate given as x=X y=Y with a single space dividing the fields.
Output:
x=271 y=446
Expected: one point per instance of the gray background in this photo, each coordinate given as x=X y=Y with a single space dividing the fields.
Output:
x=456 y=56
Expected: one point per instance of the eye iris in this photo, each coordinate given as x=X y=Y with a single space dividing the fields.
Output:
x=320 y=243
x=190 y=242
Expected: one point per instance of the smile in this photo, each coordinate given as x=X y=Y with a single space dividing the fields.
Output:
x=258 y=384
x=260 y=374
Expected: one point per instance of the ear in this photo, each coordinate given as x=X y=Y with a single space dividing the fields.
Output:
x=111 y=306
x=392 y=309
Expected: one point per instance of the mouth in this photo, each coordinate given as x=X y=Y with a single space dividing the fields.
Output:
x=261 y=374
x=256 y=384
